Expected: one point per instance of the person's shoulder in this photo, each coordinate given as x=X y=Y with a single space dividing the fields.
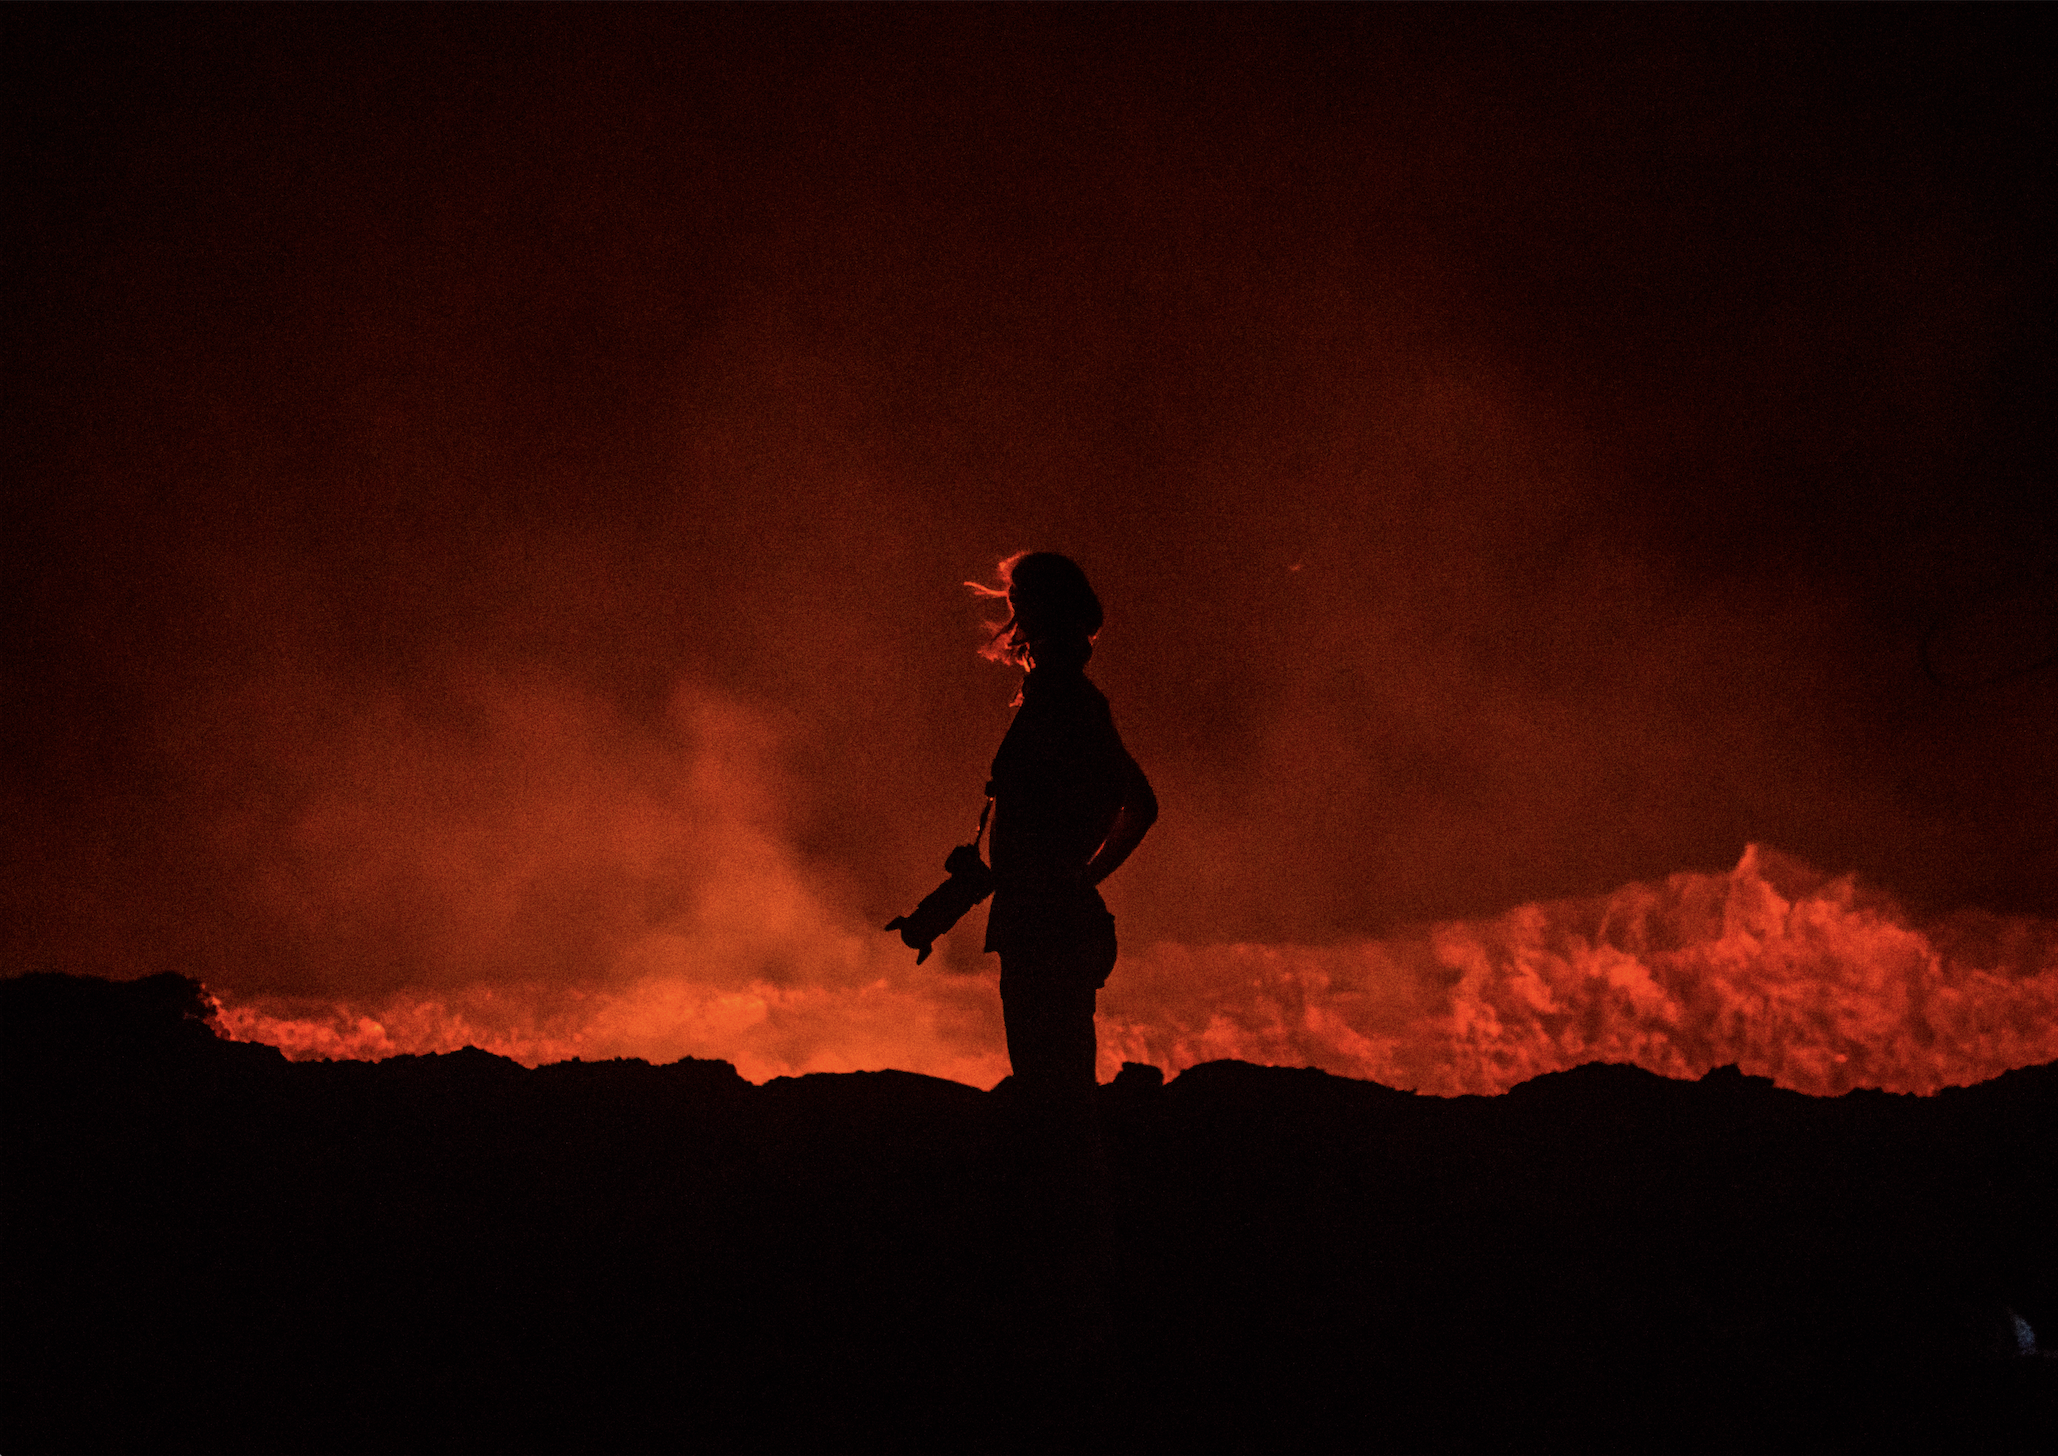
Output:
x=1081 y=695
x=1069 y=697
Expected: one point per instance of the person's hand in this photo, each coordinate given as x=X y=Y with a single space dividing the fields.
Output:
x=919 y=947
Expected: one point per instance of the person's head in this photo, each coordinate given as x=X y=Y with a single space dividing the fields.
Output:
x=1053 y=614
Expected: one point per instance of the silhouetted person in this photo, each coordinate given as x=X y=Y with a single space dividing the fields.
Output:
x=1069 y=806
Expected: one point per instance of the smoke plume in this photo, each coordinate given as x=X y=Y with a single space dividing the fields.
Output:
x=489 y=489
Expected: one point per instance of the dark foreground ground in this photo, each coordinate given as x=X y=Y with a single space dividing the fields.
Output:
x=210 y=1249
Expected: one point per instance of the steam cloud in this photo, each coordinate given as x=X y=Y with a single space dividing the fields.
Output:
x=531 y=872
x=537 y=875
x=492 y=489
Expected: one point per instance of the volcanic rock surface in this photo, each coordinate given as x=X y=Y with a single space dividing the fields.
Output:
x=209 y=1248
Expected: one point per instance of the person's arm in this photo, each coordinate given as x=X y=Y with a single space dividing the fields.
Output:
x=1139 y=811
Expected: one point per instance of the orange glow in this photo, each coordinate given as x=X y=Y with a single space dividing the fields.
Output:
x=765 y=1030
x=486 y=564
x=1812 y=982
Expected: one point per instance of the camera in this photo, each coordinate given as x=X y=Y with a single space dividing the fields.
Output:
x=970 y=882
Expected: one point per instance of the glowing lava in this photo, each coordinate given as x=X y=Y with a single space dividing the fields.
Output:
x=1815 y=983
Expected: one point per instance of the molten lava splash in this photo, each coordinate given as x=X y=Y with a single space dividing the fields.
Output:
x=1811 y=982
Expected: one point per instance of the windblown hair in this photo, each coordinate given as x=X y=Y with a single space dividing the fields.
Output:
x=1052 y=609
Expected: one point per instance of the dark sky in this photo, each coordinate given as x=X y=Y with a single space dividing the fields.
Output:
x=1521 y=452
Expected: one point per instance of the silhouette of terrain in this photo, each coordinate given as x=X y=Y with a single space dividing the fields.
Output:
x=209 y=1248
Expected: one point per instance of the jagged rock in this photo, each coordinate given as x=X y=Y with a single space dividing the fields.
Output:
x=211 y=1248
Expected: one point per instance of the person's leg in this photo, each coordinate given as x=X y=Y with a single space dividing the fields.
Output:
x=1049 y=1017
x=1047 y=998
x=1060 y=1181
